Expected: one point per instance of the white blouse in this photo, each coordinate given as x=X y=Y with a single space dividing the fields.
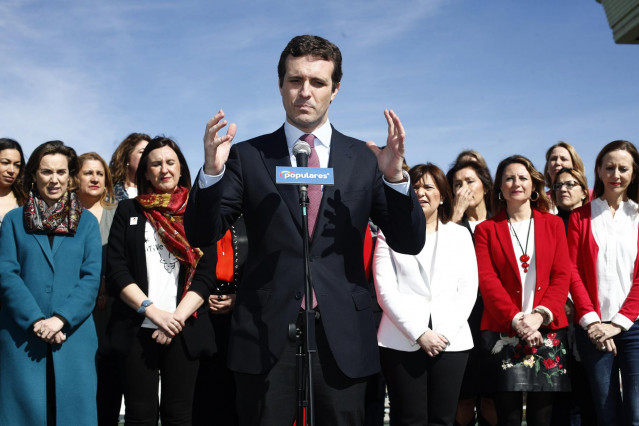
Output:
x=616 y=237
x=162 y=271
x=528 y=279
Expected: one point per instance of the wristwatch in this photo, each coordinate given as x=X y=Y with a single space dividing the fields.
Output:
x=145 y=304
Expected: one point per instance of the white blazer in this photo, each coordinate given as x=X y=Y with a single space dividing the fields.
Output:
x=410 y=296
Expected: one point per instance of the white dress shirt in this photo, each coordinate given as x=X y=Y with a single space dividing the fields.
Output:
x=323 y=135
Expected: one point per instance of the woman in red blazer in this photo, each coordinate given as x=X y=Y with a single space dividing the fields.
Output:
x=603 y=244
x=524 y=273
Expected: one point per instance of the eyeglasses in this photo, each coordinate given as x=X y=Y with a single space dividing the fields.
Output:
x=569 y=185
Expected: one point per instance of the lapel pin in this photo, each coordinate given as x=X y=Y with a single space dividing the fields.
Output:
x=133 y=220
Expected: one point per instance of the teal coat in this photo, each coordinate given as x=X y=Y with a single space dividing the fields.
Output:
x=37 y=281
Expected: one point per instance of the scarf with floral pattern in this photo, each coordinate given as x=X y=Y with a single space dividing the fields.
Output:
x=60 y=218
x=165 y=212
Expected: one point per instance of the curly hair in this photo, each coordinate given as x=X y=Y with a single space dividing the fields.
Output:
x=120 y=158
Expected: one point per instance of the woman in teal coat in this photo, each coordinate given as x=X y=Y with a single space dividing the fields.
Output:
x=50 y=256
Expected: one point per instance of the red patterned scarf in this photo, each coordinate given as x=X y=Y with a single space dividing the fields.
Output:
x=60 y=218
x=165 y=212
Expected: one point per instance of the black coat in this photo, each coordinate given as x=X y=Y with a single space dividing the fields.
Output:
x=126 y=264
x=271 y=289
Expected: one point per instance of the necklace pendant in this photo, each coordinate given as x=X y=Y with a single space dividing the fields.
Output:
x=524 y=258
x=525 y=270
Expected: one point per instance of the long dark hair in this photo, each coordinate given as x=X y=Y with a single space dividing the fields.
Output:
x=619 y=145
x=144 y=186
x=16 y=186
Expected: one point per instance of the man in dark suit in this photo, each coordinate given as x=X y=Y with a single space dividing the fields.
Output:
x=241 y=180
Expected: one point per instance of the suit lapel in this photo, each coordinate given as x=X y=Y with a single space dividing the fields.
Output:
x=503 y=235
x=43 y=241
x=341 y=161
x=57 y=242
x=426 y=263
x=275 y=153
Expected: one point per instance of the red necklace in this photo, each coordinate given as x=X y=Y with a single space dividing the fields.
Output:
x=524 y=258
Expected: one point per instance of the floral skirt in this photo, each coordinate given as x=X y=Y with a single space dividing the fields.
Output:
x=513 y=366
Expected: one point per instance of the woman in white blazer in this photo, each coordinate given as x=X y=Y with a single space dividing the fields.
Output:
x=424 y=336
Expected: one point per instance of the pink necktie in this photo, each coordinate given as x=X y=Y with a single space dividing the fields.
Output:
x=314 y=198
x=314 y=191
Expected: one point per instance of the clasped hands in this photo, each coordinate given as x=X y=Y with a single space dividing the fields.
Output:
x=49 y=329
x=169 y=324
x=601 y=335
x=527 y=328
x=432 y=343
x=221 y=303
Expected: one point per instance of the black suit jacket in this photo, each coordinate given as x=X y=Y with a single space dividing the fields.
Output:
x=270 y=293
x=126 y=264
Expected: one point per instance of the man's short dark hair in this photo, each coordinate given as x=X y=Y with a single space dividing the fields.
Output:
x=310 y=45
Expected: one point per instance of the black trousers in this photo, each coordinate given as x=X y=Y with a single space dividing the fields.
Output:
x=142 y=368
x=509 y=406
x=214 y=401
x=423 y=390
x=270 y=399
x=109 y=394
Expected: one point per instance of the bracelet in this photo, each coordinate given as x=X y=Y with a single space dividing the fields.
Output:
x=145 y=304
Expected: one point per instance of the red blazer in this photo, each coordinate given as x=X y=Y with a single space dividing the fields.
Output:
x=583 y=253
x=499 y=281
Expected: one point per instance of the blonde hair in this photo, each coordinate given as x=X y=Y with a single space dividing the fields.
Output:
x=574 y=157
x=109 y=193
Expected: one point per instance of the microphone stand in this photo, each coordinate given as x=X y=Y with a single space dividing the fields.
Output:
x=305 y=337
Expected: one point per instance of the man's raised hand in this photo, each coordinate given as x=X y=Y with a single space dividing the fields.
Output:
x=390 y=159
x=216 y=148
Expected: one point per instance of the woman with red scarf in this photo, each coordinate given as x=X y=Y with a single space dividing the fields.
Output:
x=158 y=324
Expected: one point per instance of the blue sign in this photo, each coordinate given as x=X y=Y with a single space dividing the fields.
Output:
x=304 y=175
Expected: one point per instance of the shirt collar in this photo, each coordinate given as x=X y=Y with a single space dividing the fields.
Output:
x=626 y=208
x=322 y=134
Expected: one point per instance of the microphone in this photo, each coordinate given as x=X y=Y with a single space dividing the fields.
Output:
x=301 y=151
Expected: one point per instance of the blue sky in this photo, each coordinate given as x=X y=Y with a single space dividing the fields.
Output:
x=502 y=77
